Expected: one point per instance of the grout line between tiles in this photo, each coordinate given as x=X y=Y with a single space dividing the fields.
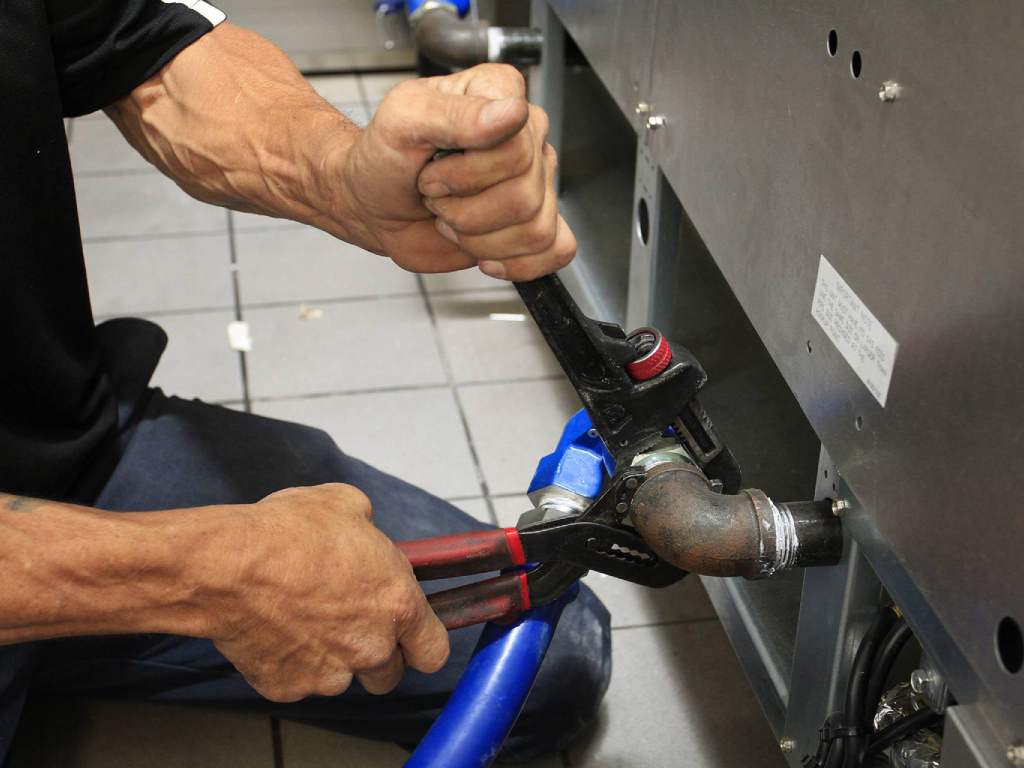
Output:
x=275 y=742
x=473 y=453
x=152 y=236
x=362 y=94
x=346 y=392
x=405 y=388
x=336 y=300
x=243 y=363
x=166 y=312
x=117 y=172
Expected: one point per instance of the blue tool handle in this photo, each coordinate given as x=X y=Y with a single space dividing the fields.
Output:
x=492 y=691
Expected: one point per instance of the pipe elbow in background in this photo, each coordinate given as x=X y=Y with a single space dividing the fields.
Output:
x=450 y=41
x=691 y=526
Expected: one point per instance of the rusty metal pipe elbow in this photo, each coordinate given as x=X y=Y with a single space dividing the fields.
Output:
x=691 y=526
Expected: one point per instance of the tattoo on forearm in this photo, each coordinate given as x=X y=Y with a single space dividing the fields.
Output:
x=18 y=503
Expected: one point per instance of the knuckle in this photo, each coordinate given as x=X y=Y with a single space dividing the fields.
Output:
x=509 y=73
x=540 y=122
x=541 y=236
x=521 y=160
x=406 y=609
x=440 y=658
x=397 y=93
x=374 y=653
x=524 y=207
x=284 y=694
x=335 y=685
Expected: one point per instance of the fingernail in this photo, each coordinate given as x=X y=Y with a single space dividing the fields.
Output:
x=429 y=205
x=496 y=110
x=436 y=189
x=493 y=269
x=447 y=231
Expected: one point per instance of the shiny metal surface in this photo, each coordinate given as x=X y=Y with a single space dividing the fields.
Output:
x=616 y=38
x=908 y=178
x=779 y=155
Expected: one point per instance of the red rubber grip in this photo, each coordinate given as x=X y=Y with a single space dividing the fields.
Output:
x=460 y=554
x=651 y=364
x=501 y=599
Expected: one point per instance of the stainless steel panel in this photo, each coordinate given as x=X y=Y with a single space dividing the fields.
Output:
x=616 y=38
x=961 y=747
x=653 y=246
x=760 y=618
x=780 y=155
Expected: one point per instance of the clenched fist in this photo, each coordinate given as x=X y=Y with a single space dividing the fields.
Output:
x=492 y=205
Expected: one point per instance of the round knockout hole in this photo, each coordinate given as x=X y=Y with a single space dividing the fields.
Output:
x=859 y=422
x=643 y=222
x=833 y=43
x=855 y=64
x=1010 y=645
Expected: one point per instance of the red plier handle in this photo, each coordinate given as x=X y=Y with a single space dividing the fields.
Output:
x=499 y=599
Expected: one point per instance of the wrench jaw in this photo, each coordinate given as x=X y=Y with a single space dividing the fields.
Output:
x=634 y=387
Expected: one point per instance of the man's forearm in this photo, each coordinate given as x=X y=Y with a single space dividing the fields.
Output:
x=70 y=570
x=235 y=124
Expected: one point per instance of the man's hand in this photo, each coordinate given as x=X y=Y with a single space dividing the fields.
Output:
x=323 y=596
x=234 y=123
x=492 y=205
x=299 y=591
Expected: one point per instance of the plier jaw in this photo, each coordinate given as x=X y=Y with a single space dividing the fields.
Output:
x=563 y=550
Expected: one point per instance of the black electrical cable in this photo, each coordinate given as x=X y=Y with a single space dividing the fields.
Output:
x=857 y=687
x=824 y=744
x=900 y=730
x=883 y=664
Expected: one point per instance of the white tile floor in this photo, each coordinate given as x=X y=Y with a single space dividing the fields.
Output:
x=476 y=401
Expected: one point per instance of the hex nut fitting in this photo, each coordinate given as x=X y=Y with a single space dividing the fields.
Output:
x=889 y=91
x=1015 y=754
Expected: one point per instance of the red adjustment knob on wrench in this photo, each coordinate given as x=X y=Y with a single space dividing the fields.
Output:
x=655 y=354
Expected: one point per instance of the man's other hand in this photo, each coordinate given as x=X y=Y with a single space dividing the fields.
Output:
x=492 y=205
x=322 y=596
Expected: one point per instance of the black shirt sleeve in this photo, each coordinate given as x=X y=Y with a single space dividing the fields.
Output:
x=105 y=48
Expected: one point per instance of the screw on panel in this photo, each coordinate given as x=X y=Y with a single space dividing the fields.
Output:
x=1015 y=754
x=655 y=121
x=622 y=508
x=631 y=483
x=839 y=507
x=890 y=91
x=787 y=744
x=643 y=108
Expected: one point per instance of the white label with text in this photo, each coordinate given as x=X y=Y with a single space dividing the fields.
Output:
x=860 y=338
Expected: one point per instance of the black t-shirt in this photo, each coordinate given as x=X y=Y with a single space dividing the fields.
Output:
x=61 y=58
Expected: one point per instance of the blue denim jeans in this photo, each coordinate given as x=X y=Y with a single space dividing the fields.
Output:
x=174 y=453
